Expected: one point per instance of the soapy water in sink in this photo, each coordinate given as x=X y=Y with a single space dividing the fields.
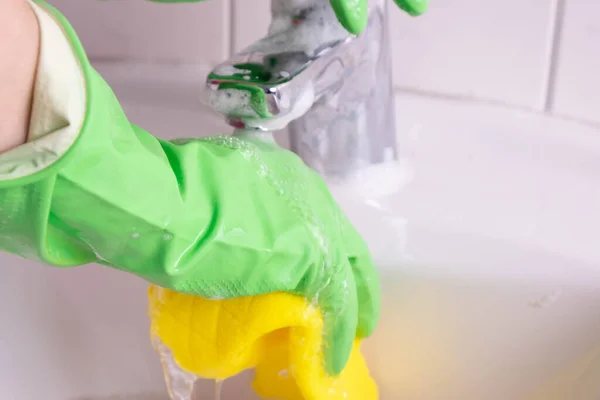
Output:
x=451 y=338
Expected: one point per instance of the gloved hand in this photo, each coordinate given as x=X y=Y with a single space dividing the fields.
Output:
x=276 y=227
x=292 y=235
x=413 y=7
x=352 y=14
x=220 y=218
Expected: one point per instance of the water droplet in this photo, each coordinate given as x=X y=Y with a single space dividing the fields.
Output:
x=135 y=235
x=167 y=236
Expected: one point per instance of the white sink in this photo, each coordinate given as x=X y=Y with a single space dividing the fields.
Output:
x=485 y=235
x=490 y=266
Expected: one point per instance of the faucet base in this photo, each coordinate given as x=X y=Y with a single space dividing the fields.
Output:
x=353 y=124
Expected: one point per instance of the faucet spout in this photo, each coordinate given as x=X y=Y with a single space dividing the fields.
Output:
x=332 y=90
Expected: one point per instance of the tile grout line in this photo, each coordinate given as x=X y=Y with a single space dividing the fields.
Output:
x=465 y=98
x=399 y=90
x=554 y=55
x=232 y=28
x=129 y=71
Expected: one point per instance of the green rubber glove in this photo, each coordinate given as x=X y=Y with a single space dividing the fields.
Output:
x=413 y=7
x=219 y=218
x=353 y=14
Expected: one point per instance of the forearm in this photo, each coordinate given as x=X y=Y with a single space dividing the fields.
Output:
x=88 y=186
x=19 y=43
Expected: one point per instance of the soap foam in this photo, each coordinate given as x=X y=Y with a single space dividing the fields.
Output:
x=232 y=101
x=229 y=70
x=375 y=181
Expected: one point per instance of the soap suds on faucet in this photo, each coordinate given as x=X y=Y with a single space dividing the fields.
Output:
x=230 y=70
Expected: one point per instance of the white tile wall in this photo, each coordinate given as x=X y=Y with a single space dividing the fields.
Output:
x=494 y=50
x=488 y=50
x=143 y=30
x=577 y=86
x=251 y=21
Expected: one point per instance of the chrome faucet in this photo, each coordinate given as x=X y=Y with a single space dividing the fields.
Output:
x=331 y=90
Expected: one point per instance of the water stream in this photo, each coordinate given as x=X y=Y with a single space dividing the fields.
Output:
x=218 y=389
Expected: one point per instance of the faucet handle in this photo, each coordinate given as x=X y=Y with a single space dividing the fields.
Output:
x=265 y=91
x=278 y=78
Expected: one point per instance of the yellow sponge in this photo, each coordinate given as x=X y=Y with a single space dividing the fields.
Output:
x=278 y=334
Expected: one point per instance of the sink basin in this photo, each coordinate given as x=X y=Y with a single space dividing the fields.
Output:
x=484 y=233
x=490 y=271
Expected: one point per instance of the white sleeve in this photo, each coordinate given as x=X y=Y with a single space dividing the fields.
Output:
x=59 y=103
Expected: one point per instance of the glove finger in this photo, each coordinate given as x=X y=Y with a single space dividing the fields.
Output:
x=338 y=303
x=365 y=275
x=352 y=14
x=368 y=290
x=413 y=7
